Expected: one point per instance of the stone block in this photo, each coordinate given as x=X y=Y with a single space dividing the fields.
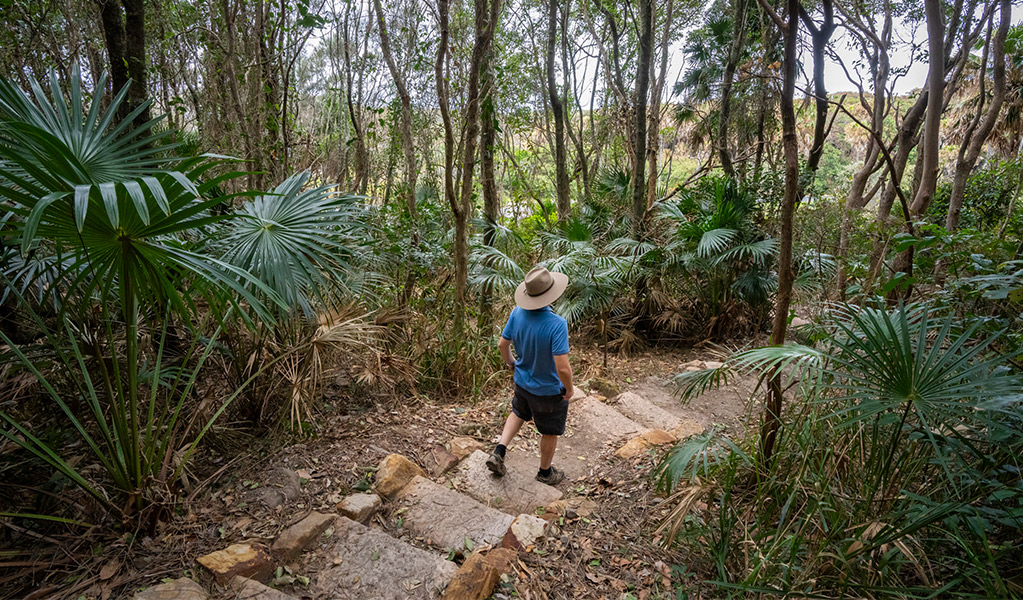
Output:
x=294 y=539
x=179 y=589
x=441 y=460
x=245 y=560
x=371 y=564
x=393 y=473
x=524 y=532
x=247 y=589
x=502 y=559
x=518 y=491
x=360 y=507
x=644 y=442
x=446 y=518
x=463 y=446
x=475 y=580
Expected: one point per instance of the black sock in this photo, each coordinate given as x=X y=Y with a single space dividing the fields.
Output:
x=545 y=472
x=500 y=450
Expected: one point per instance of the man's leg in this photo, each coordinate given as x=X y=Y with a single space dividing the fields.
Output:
x=548 y=444
x=511 y=429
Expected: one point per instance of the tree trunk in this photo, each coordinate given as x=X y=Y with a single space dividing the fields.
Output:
x=974 y=142
x=558 y=107
x=931 y=141
x=125 y=38
x=820 y=36
x=488 y=181
x=731 y=63
x=786 y=275
x=654 y=133
x=407 y=142
x=361 y=153
x=646 y=34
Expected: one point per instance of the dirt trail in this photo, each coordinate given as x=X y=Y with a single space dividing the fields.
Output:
x=592 y=537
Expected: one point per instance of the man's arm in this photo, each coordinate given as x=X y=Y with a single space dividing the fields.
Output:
x=564 y=373
x=506 y=354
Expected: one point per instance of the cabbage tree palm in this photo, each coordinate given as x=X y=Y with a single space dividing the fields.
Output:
x=125 y=218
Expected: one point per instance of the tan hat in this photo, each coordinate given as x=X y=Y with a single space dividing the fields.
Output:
x=540 y=288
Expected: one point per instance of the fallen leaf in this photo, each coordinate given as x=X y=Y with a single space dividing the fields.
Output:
x=109 y=570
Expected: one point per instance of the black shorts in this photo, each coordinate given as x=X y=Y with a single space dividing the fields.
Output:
x=548 y=413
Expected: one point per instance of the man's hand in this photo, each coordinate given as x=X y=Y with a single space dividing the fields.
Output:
x=506 y=354
x=565 y=374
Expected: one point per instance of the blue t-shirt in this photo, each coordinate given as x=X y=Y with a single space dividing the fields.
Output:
x=538 y=336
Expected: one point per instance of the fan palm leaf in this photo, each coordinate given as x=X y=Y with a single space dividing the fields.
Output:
x=292 y=240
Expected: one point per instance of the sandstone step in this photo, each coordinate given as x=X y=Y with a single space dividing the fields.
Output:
x=592 y=417
x=722 y=405
x=371 y=564
x=643 y=411
x=592 y=428
x=446 y=518
x=247 y=589
x=517 y=492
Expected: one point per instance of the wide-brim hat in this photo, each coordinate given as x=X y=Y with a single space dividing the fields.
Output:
x=540 y=288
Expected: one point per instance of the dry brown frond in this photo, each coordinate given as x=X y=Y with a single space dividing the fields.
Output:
x=683 y=502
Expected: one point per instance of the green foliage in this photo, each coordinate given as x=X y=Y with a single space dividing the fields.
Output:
x=989 y=190
x=303 y=243
x=898 y=469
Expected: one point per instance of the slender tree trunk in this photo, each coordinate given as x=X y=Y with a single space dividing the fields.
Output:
x=407 y=142
x=488 y=181
x=931 y=141
x=361 y=152
x=820 y=36
x=125 y=37
x=974 y=142
x=646 y=34
x=727 y=80
x=558 y=108
x=786 y=275
x=654 y=132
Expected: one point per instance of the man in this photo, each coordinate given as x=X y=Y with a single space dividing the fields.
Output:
x=542 y=373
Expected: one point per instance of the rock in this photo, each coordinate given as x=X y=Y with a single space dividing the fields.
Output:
x=179 y=589
x=475 y=580
x=247 y=560
x=277 y=486
x=686 y=429
x=360 y=507
x=642 y=443
x=446 y=519
x=577 y=394
x=294 y=539
x=712 y=364
x=393 y=473
x=572 y=508
x=517 y=492
x=604 y=387
x=502 y=559
x=247 y=589
x=647 y=413
x=524 y=532
x=371 y=564
x=798 y=322
x=602 y=420
x=464 y=446
x=443 y=461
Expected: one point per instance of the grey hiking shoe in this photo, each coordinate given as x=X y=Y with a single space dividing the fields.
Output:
x=554 y=478
x=496 y=464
